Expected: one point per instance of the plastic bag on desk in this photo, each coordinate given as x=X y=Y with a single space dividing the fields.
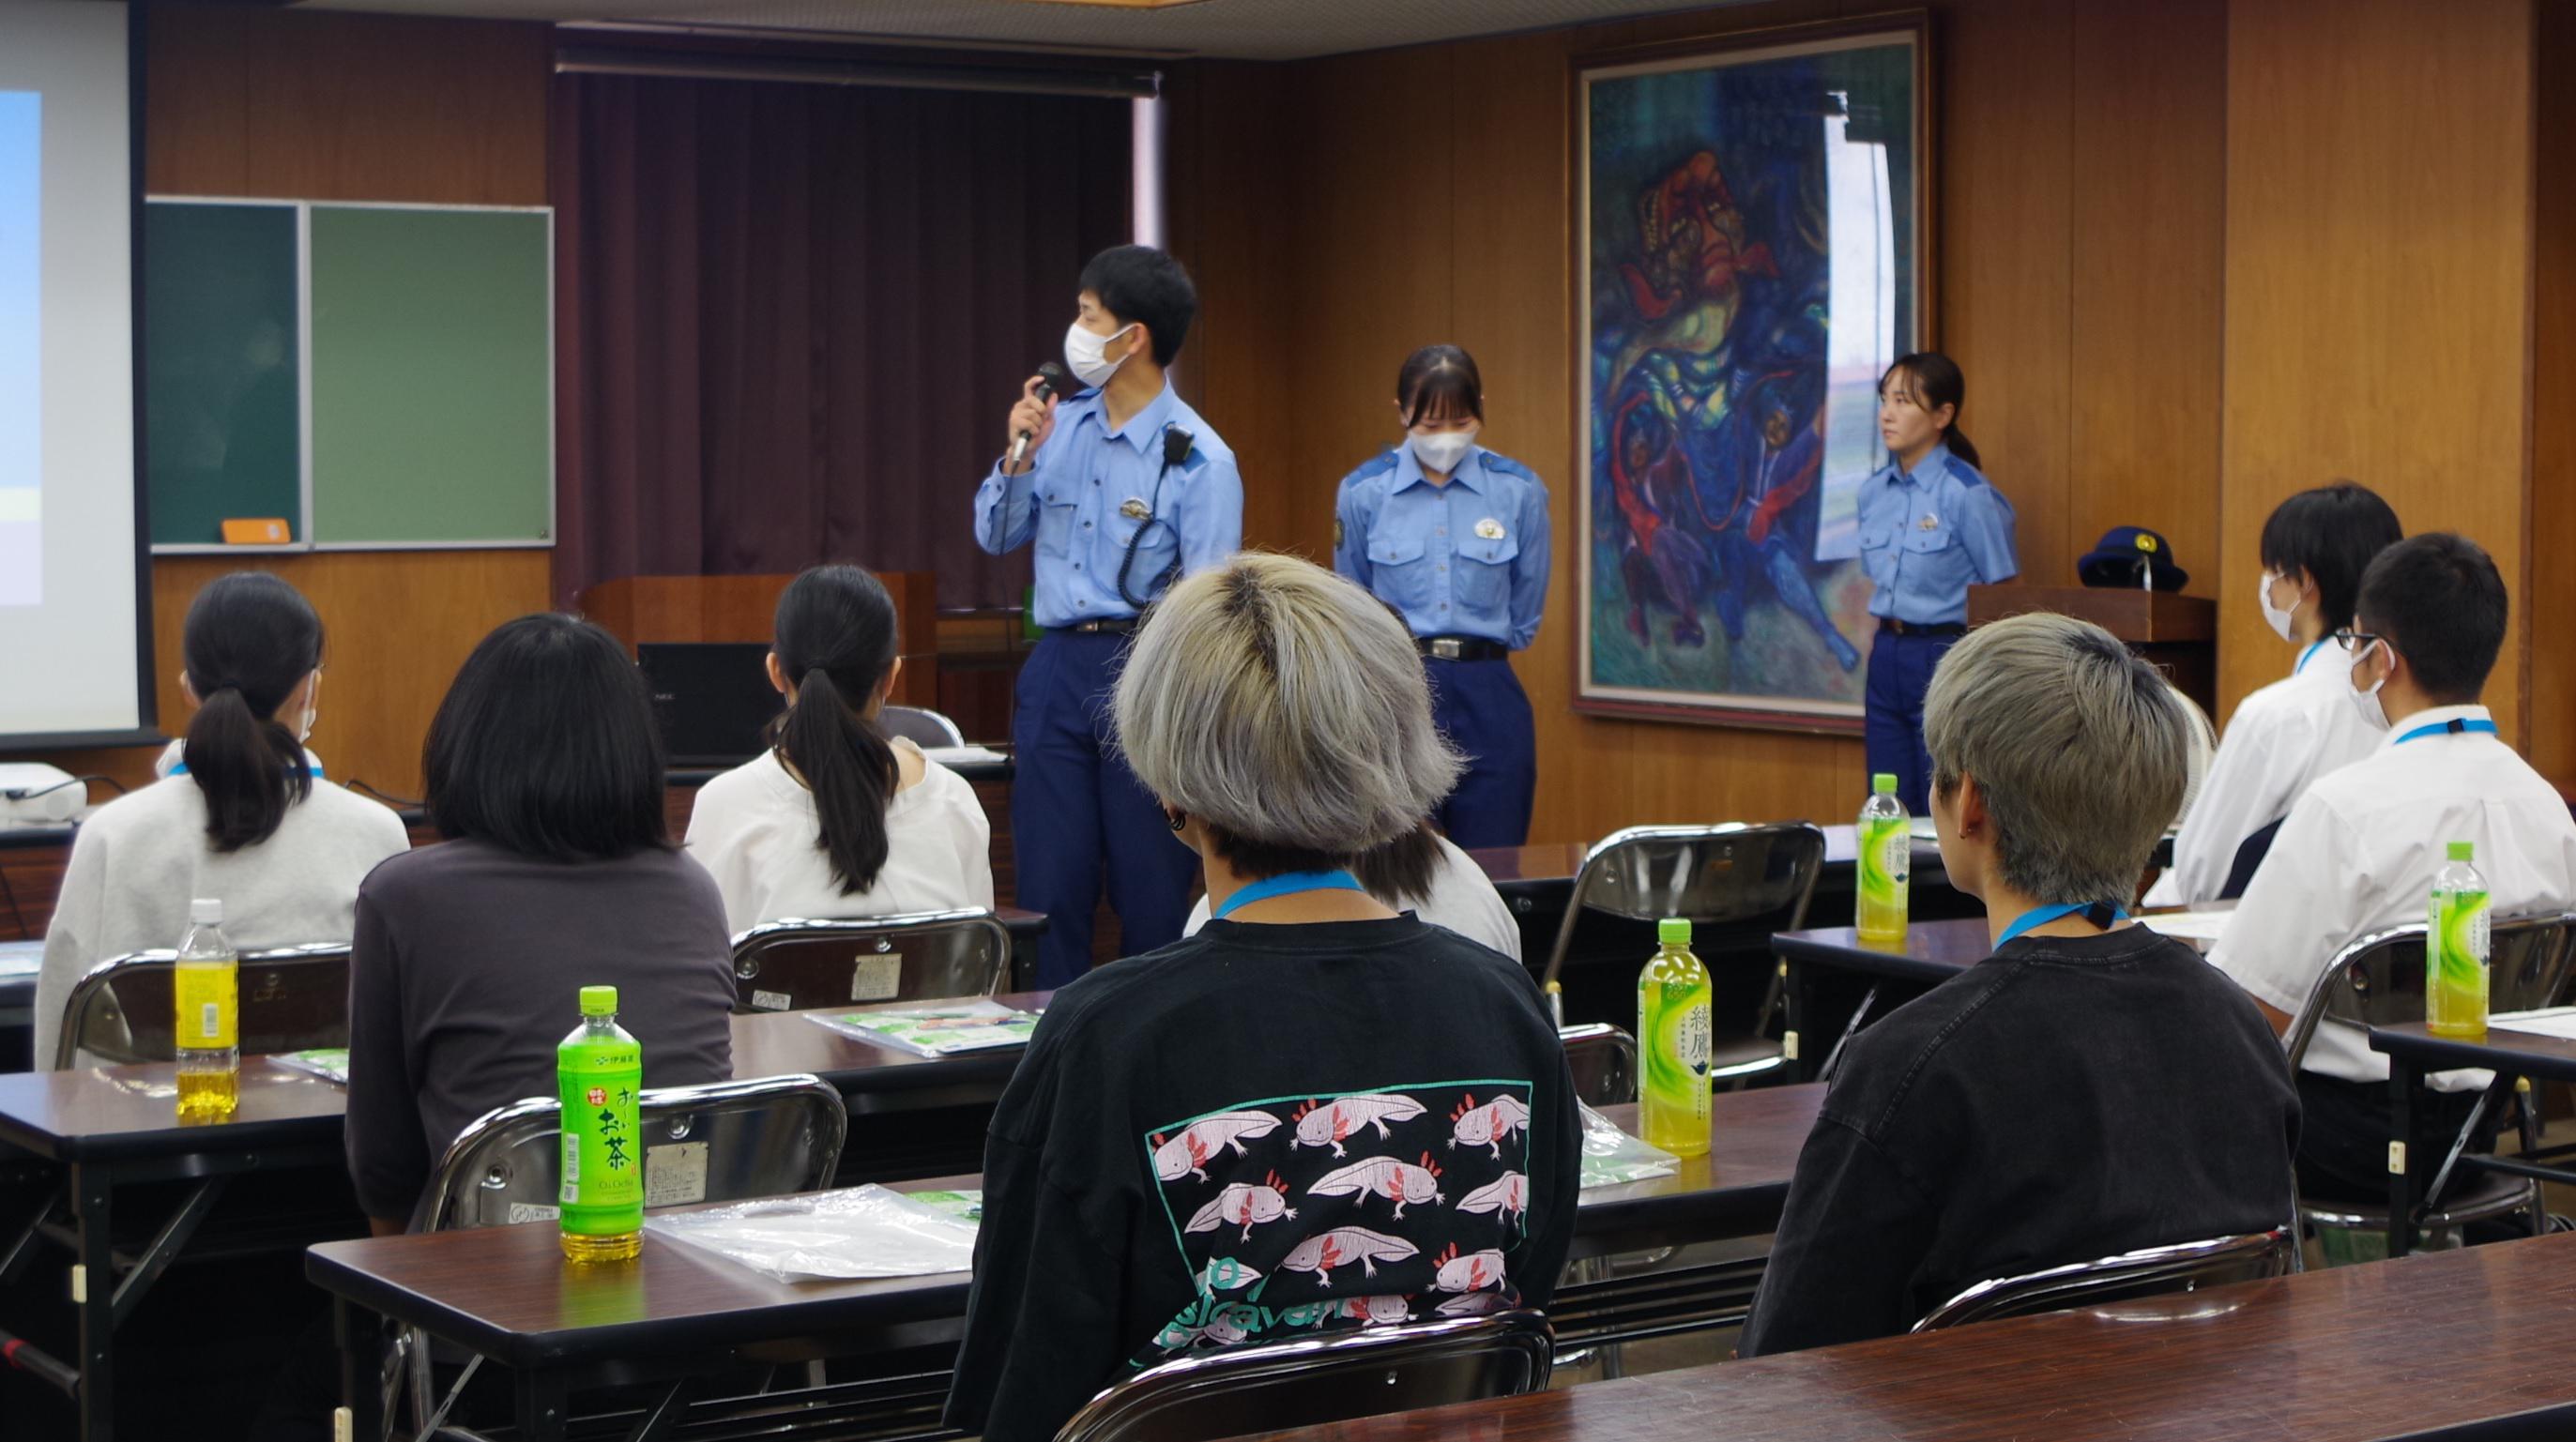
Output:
x=1611 y=1156
x=846 y=1235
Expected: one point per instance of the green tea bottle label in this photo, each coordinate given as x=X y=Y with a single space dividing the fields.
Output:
x=2456 y=949
x=1674 y=1039
x=601 y=1070
x=1885 y=847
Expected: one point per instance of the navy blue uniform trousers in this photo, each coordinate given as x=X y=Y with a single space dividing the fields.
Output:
x=1900 y=671
x=1074 y=805
x=1480 y=707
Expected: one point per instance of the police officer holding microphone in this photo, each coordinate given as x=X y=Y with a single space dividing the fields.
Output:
x=1124 y=489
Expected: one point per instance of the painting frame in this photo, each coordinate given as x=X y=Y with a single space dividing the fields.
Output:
x=1706 y=53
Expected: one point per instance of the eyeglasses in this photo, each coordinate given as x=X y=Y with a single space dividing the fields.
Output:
x=2355 y=642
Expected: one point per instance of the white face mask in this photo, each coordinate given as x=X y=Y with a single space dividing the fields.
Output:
x=1441 y=451
x=2373 y=715
x=1087 y=355
x=2278 y=618
x=312 y=707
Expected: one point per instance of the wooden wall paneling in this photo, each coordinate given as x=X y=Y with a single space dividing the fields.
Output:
x=2004 y=253
x=2379 y=270
x=397 y=626
x=2549 y=551
x=196 y=78
x=1375 y=229
x=2148 y=196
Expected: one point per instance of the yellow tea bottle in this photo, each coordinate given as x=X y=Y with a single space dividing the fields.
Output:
x=205 y=987
x=2455 y=950
x=601 y=1070
x=1673 y=1005
x=1886 y=859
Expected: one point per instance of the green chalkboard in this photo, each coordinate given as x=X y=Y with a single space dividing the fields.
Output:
x=222 y=424
x=433 y=376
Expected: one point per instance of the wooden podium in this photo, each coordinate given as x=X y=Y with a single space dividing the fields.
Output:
x=2176 y=632
x=669 y=609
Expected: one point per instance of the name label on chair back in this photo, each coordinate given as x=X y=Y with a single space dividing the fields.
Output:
x=675 y=1174
x=877 y=977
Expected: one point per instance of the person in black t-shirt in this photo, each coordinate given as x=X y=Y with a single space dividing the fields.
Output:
x=1314 y=1114
x=2091 y=1088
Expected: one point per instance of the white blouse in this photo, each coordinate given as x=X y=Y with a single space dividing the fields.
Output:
x=755 y=828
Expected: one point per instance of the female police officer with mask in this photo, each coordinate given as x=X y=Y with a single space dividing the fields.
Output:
x=1455 y=538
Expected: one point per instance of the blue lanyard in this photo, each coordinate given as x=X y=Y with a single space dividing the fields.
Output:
x=2042 y=916
x=1288 y=885
x=2306 y=656
x=2447 y=728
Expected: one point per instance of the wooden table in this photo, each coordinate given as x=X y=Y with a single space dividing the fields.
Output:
x=2454 y=1345
x=504 y=1293
x=100 y=1129
x=2414 y=1052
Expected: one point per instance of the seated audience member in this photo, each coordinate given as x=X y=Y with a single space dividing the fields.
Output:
x=835 y=820
x=1315 y=1113
x=545 y=776
x=2360 y=850
x=2088 y=1089
x=1425 y=873
x=2286 y=735
x=240 y=818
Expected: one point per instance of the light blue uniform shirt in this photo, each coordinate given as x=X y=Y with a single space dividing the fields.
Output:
x=1076 y=500
x=1465 y=559
x=1926 y=537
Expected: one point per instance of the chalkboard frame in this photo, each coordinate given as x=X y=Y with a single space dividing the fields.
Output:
x=305 y=542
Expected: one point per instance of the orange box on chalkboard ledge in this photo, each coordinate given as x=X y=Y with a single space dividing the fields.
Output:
x=257 y=531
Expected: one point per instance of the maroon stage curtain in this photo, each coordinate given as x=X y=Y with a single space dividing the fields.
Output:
x=790 y=319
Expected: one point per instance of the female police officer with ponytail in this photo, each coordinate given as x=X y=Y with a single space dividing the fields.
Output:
x=1930 y=527
x=1455 y=538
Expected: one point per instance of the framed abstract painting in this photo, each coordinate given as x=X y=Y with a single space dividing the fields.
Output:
x=1750 y=237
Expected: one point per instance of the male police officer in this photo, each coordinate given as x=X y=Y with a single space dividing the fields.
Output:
x=1125 y=489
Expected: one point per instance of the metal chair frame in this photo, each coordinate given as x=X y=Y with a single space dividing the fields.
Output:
x=1336 y=1377
x=926 y=728
x=1603 y=1059
x=878 y=935
x=97 y=988
x=1799 y=889
x=2149 y=1271
x=2536 y=955
x=488 y=1144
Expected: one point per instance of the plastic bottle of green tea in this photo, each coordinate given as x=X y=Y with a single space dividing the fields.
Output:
x=205 y=990
x=1673 y=1020
x=601 y=1071
x=2455 y=950
x=1886 y=857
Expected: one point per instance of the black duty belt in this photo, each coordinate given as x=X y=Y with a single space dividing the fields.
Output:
x=1461 y=648
x=1889 y=625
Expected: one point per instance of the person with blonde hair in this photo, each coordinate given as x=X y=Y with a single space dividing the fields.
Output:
x=2089 y=1089
x=1316 y=1112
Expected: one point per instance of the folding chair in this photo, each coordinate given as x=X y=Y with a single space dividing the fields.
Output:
x=926 y=956
x=924 y=728
x=1715 y=876
x=1335 y=1377
x=763 y=1137
x=2379 y=981
x=1604 y=1061
x=292 y=999
x=2147 y=1272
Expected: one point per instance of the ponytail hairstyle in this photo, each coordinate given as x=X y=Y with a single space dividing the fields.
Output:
x=835 y=641
x=1933 y=381
x=250 y=640
x=1399 y=873
x=1439 y=382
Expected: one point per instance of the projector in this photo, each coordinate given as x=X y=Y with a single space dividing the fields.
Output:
x=35 y=795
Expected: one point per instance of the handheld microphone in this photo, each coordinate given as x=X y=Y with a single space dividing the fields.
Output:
x=1052 y=382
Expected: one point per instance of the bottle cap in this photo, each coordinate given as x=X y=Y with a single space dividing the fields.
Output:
x=599 y=1001
x=2461 y=851
x=1883 y=784
x=1673 y=931
x=207 y=911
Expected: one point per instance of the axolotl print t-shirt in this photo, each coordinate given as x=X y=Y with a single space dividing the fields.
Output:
x=1294 y=1213
x=1258 y=1133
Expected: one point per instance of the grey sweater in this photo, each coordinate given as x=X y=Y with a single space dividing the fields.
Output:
x=464 y=977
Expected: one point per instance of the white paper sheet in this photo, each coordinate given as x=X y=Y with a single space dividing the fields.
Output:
x=2557 y=1021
